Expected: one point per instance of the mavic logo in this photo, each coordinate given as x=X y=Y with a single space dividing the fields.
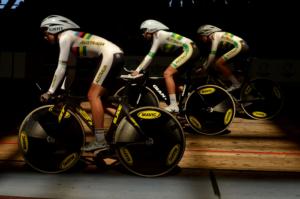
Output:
x=12 y=4
x=149 y=114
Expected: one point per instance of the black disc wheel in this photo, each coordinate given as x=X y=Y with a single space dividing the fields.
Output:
x=50 y=139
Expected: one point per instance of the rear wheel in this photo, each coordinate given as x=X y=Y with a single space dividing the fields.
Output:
x=49 y=143
x=154 y=151
x=209 y=109
x=261 y=99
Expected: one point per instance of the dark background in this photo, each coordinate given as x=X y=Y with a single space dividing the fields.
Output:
x=270 y=28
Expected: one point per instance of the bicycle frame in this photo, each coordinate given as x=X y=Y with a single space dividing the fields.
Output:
x=65 y=103
x=121 y=111
x=152 y=83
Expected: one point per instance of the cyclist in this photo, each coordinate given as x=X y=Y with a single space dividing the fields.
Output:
x=162 y=38
x=76 y=44
x=224 y=46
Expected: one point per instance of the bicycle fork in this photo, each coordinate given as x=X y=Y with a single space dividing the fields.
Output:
x=123 y=111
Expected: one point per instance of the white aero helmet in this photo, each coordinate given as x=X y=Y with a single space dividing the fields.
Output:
x=208 y=29
x=55 y=23
x=152 y=26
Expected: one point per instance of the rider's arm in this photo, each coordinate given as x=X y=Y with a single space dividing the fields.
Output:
x=58 y=76
x=213 y=50
x=70 y=72
x=147 y=60
x=60 y=71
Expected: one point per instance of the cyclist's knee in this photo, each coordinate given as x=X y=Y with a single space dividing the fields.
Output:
x=167 y=74
x=92 y=95
x=223 y=68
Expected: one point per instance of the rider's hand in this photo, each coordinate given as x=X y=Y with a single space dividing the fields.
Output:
x=134 y=73
x=45 y=97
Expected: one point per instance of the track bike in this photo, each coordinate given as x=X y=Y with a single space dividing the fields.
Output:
x=258 y=98
x=147 y=141
x=207 y=109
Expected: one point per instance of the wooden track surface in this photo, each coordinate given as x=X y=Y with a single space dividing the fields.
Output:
x=250 y=145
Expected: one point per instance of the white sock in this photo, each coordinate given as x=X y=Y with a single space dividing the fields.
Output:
x=173 y=99
x=100 y=135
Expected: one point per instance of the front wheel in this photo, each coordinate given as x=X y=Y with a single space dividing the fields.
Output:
x=138 y=96
x=209 y=109
x=50 y=141
x=261 y=99
x=156 y=148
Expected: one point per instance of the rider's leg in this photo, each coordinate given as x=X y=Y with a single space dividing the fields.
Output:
x=109 y=68
x=94 y=97
x=171 y=88
x=227 y=73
